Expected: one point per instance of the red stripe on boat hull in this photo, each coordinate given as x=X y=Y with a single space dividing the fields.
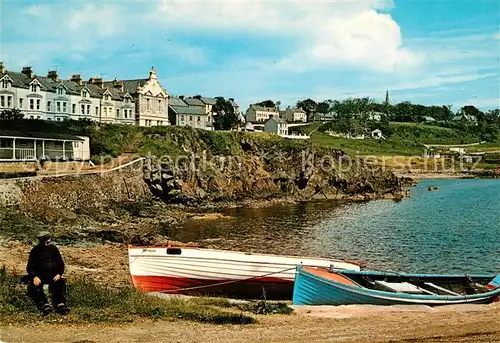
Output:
x=275 y=288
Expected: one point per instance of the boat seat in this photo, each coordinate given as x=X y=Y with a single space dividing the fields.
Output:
x=430 y=284
x=403 y=287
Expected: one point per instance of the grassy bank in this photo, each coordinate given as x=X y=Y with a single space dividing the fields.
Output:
x=402 y=139
x=92 y=303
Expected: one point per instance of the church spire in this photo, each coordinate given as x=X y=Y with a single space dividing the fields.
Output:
x=387 y=97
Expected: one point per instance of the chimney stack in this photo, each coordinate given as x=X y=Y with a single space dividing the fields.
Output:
x=27 y=71
x=181 y=97
x=118 y=84
x=2 y=67
x=53 y=75
x=96 y=81
x=231 y=99
x=77 y=78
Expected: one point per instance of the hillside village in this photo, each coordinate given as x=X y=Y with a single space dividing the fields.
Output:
x=147 y=103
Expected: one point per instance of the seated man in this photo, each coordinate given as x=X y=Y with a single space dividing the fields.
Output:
x=45 y=267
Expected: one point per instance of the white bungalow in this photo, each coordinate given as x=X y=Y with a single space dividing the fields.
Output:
x=19 y=147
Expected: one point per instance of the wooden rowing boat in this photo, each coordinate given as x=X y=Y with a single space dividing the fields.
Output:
x=188 y=270
x=320 y=286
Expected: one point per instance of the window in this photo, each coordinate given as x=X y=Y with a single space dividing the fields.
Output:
x=117 y=113
x=97 y=110
x=73 y=108
x=85 y=94
x=83 y=109
x=32 y=104
x=88 y=109
x=34 y=88
x=125 y=114
x=58 y=119
x=48 y=106
x=199 y=120
x=190 y=118
x=20 y=102
x=9 y=101
x=5 y=84
x=31 y=117
x=105 y=111
x=64 y=107
x=38 y=104
x=2 y=101
x=182 y=118
x=58 y=106
x=147 y=104
x=159 y=105
x=60 y=91
x=38 y=117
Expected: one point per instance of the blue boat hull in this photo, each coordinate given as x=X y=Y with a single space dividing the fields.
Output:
x=310 y=289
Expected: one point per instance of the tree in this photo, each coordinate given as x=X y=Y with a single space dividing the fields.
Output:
x=225 y=118
x=12 y=114
x=266 y=103
x=323 y=107
x=493 y=116
x=308 y=105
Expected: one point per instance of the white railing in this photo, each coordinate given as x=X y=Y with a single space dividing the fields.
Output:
x=25 y=154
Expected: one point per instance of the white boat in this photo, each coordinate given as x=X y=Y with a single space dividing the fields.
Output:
x=189 y=270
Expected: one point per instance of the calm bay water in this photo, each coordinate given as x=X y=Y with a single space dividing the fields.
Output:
x=455 y=229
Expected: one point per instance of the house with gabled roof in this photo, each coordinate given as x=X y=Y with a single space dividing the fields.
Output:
x=260 y=114
x=276 y=125
x=293 y=115
x=142 y=102
x=192 y=112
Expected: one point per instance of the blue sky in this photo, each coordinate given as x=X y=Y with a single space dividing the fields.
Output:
x=430 y=52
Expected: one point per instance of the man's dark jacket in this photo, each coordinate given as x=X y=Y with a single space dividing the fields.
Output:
x=45 y=262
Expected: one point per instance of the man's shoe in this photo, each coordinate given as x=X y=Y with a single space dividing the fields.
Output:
x=46 y=310
x=62 y=309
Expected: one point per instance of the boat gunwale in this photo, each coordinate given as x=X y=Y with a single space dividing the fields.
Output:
x=400 y=296
x=236 y=252
x=381 y=273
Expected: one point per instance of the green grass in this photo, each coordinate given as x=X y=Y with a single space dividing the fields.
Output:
x=93 y=303
x=368 y=146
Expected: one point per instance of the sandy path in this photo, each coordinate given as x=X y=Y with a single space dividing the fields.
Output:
x=321 y=324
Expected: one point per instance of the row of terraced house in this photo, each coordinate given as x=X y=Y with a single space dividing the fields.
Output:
x=143 y=102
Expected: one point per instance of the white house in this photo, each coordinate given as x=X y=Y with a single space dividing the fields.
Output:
x=465 y=118
x=141 y=102
x=377 y=134
x=18 y=147
x=375 y=116
x=259 y=114
x=294 y=115
x=277 y=125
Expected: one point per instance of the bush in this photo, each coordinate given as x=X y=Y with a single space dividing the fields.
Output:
x=266 y=308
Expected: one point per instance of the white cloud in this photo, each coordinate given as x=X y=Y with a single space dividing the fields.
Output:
x=34 y=10
x=105 y=20
x=327 y=33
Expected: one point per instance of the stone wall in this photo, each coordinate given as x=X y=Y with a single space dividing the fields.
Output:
x=48 y=197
